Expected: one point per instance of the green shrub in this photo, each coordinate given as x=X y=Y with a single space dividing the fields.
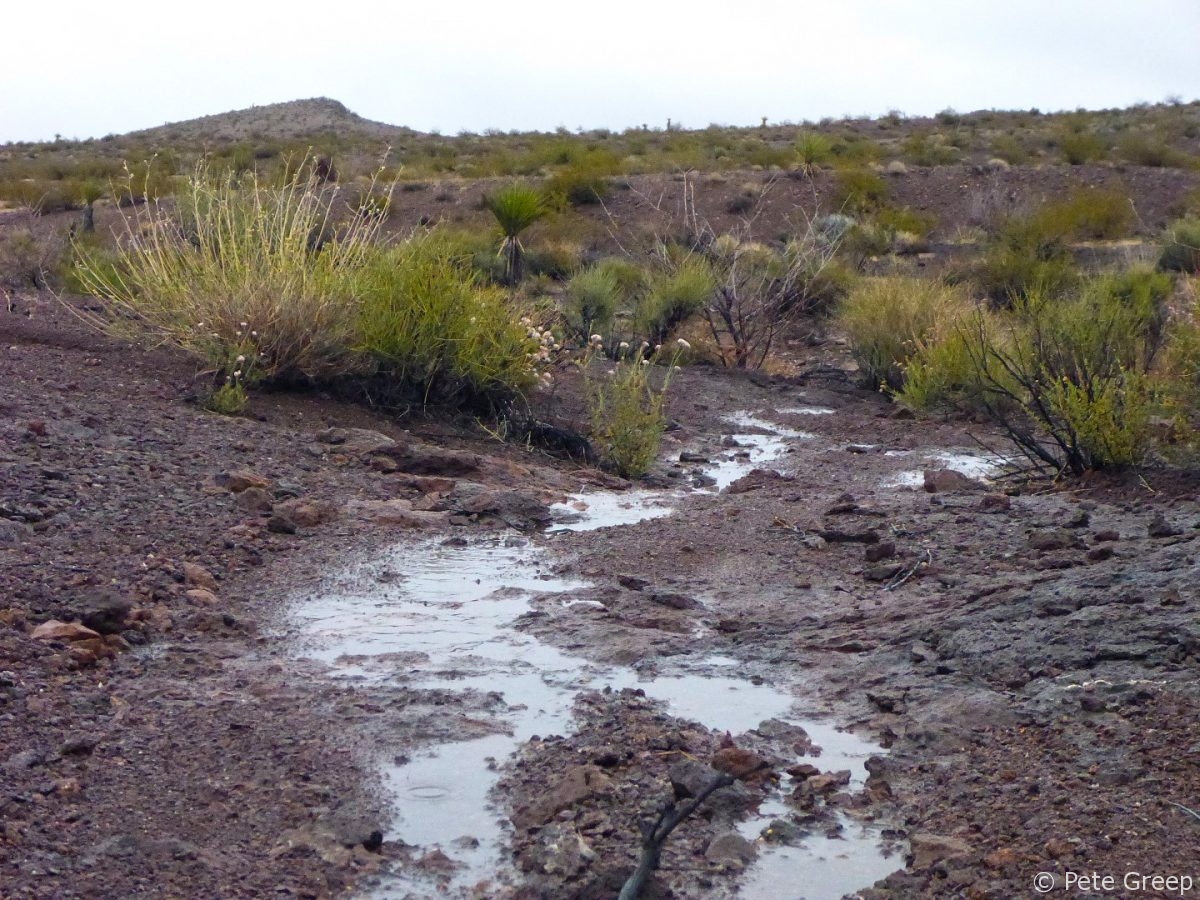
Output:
x=1069 y=377
x=926 y=150
x=1081 y=147
x=1144 y=150
x=1088 y=214
x=592 y=299
x=626 y=409
x=436 y=335
x=889 y=320
x=31 y=257
x=906 y=219
x=583 y=181
x=1181 y=247
x=672 y=297
x=859 y=191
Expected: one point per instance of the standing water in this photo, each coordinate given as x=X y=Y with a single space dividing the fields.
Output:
x=446 y=623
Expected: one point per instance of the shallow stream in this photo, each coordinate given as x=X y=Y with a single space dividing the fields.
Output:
x=440 y=615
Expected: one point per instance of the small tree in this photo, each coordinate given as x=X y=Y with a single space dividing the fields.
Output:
x=515 y=207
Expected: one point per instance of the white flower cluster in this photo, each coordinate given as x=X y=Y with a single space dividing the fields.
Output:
x=547 y=345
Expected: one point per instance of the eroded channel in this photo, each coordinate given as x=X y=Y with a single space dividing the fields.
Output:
x=439 y=615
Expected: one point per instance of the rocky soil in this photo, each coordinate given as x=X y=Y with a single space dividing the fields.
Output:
x=1027 y=651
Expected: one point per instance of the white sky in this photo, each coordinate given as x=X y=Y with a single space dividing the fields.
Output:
x=86 y=69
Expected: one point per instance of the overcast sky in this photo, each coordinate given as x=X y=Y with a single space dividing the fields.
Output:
x=86 y=69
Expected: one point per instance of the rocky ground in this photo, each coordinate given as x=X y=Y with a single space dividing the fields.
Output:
x=1027 y=651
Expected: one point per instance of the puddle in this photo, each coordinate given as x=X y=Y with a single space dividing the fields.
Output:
x=806 y=411
x=436 y=615
x=973 y=465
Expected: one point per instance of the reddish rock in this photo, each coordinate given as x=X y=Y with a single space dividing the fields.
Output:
x=54 y=630
x=199 y=576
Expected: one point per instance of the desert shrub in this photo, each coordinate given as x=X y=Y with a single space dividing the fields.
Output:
x=1154 y=152
x=238 y=262
x=859 y=191
x=626 y=409
x=1080 y=147
x=434 y=333
x=673 y=295
x=889 y=320
x=927 y=150
x=1088 y=214
x=1009 y=149
x=1181 y=247
x=906 y=219
x=584 y=180
x=1068 y=376
x=1023 y=256
x=556 y=261
x=944 y=372
x=30 y=256
x=592 y=299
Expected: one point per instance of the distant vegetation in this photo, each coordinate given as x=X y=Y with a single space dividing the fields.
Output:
x=280 y=246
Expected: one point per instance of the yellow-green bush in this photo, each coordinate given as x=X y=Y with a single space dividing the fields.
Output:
x=434 y=334
x=889 y=320
x=1071 y=377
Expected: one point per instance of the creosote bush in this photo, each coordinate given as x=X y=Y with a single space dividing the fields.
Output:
x=434 y=334
x=1071 y=377
x=890 y=320
x=1181 y=247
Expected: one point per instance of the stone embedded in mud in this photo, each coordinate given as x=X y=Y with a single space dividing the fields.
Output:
x=106 y=614
x=948 y=480
x=837 y=536
x=308 y=513
x=199 y=576
x=201 y=597
x=281 y=524
x=241 y=480
x=576 y=786
x=925 y=850
x=675 y=601
x=397 y=512
x=559 y=850
x=13 y=532
x=883 y=571
x=54 y=630
x=730 y=847
x=1159 y=527
x=517 y=509
x=877 y=552
x=801 y=771
x=743 y=764
x=995 y=503
x=1054 y=539
x=255 y=499
x=429 y=460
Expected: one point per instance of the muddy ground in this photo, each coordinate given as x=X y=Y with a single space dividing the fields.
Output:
x=1026 y=651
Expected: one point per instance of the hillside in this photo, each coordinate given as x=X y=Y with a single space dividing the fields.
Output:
x=274 y=122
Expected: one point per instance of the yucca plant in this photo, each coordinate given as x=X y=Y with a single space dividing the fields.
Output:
x=515 y=207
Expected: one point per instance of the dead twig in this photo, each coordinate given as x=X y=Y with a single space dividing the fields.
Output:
x=925 y=559
x=654 y=835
